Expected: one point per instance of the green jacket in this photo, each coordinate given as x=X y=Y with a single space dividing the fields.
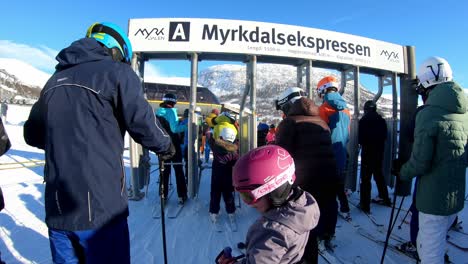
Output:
x=438 y=156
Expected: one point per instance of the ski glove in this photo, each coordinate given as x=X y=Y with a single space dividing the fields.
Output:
x=168 y=154
x=225 y=257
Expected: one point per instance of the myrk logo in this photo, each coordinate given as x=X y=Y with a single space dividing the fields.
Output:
x=389 y=55
x=151 y=34
x=179 y=31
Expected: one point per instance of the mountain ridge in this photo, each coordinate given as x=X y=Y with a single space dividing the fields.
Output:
x=227 y=81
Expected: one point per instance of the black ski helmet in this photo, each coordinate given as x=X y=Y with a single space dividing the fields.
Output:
x=170 y=98
x=370 y=106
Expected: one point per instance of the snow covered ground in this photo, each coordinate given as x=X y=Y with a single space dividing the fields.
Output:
x=190 y=236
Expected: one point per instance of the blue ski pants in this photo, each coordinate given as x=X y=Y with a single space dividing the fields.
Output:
x=108 y=244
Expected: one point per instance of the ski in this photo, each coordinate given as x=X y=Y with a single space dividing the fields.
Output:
x=174 y=211
x=458 y=228
x=457 y=239
x=331 y=258
x=156 y=211
x=348 y=219
x=233 y=224
x=217 y=227
x=455 y=244
x=390 y=246
x=328 y=257
x=369 y=215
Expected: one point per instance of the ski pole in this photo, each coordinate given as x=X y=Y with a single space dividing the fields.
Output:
x=163 y=198
x=404 y=218
x=390 y=225
x=397 y=214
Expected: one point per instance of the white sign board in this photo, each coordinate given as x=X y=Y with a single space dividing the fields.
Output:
x=173 y=35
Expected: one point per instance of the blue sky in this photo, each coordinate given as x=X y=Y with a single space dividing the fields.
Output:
x=34 y=31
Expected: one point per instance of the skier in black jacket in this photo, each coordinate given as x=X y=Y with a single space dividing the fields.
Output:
x=80 y=120
x=372 y=135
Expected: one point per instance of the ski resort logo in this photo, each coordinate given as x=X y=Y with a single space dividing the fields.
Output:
x=151 y=34
x=179 y=31
x=391 y=56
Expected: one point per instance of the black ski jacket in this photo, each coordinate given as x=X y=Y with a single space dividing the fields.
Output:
x=80 y=121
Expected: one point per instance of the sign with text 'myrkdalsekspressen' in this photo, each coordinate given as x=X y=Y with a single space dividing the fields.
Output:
x=161 y=35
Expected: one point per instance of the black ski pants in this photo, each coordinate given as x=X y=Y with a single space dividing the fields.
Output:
x=221 y=185
x=371 y=164
x=179 y=174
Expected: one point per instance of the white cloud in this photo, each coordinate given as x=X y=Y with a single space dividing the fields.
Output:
x=153 y=74
x=152 y=71
x=40 y=57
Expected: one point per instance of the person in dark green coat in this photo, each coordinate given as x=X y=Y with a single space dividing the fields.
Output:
x=438 y=157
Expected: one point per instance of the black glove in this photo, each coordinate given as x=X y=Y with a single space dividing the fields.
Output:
x=396 y=167
x=168 y=154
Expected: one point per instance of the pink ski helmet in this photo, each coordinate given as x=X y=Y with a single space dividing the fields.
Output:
x=267 y=170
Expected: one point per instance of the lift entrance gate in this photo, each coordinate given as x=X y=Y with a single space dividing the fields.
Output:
x=257 y=42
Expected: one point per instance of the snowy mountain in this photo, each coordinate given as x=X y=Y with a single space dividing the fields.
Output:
x=228 y=83
x=20 y=80
x=24 y=72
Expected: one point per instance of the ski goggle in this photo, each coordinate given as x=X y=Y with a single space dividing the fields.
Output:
x=247 y=196
x=252 y=195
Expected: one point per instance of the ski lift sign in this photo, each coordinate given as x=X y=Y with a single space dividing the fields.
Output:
x=177 y=35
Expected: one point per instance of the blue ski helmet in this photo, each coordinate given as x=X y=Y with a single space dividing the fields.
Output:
x=111 y=36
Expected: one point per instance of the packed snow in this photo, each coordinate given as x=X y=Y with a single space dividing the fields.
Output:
x=190 y=237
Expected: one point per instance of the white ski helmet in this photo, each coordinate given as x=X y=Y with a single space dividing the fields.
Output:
x=289 y=95
x=228 y=134
x=434 y=70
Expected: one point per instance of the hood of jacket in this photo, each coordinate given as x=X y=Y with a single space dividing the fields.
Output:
x=449 y=96
x=81 y=51
x=335 y=100
x=301 y=214
x=303 y=106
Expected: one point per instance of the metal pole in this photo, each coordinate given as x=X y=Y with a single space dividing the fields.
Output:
x=253 y=102
x=192 y=130
x=357 y=93
x=408 y=104
x=344 y=81
x=309 y=88
x=351 y=175
x=243 y=123
x=380 y=90
x=299 y=75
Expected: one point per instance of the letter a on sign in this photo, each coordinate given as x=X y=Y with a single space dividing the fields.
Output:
x=179 y=31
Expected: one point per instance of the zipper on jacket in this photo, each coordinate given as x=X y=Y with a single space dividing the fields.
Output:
x=89 y=207
x=57 y=203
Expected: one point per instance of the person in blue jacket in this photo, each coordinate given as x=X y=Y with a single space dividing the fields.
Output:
x=335 y=113
x=80 y=120
x=168 y=111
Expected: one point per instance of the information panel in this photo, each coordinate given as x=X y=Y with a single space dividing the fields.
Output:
x=171 y=35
